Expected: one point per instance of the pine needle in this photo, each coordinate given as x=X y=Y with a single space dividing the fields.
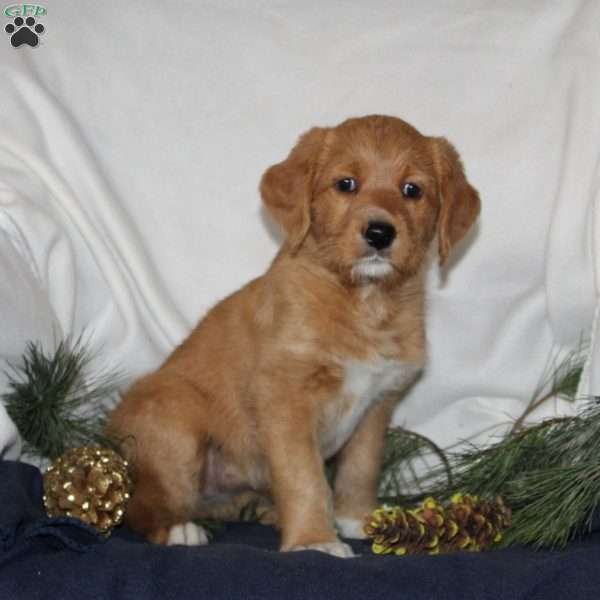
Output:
x=407 y=455
x=561 y=381
x=54 y=403
x=554 y=504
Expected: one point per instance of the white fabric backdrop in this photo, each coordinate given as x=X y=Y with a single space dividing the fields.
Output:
x=132 y=140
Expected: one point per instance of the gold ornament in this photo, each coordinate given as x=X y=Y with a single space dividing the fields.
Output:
x=88 y=483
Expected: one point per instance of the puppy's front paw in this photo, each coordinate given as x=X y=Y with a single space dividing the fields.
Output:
x=351 y=528
x=187 y=534
x=336 y=548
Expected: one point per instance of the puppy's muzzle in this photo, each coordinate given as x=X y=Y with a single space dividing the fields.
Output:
x=379 y=234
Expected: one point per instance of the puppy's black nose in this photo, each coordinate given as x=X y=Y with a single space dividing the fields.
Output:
x=379 y=234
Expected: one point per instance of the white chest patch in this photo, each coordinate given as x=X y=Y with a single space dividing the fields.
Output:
x=365 y=382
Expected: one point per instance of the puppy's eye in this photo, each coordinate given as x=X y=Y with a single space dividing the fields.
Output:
x=411 y=190
x=347 y=185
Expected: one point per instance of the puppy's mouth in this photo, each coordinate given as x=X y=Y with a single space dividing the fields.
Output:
x=375 y=265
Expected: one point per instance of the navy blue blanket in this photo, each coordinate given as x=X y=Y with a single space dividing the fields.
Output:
x=63 y=559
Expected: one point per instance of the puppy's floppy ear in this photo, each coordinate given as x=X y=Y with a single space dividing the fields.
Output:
x=459 y=200
x=287 y=187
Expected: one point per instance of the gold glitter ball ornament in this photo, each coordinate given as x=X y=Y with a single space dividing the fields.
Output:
x=88 y=483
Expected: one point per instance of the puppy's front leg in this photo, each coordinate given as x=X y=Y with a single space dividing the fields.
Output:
x=358 y=468
x=300 y=490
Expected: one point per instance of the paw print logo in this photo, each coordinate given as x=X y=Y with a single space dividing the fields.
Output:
x=24 y=31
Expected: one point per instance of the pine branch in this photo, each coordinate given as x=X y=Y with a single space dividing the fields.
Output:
x=555 y=504
x=406 y=455
x=562 y=382
x=54 y=403
x=549 y=473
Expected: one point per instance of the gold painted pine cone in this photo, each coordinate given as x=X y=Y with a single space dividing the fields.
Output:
x=88 y=483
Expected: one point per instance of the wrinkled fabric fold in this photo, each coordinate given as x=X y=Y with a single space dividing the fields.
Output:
x=129 y=172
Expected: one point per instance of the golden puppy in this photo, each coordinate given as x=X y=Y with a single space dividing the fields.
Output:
x=306 y=362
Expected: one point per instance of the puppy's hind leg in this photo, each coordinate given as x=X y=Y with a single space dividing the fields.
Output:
x=167 y=455
x=167 y=494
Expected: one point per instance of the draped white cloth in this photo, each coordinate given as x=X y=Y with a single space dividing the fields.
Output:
x=133 y=137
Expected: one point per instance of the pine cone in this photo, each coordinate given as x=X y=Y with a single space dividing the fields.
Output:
x=467 y=524
x=432 y=514
x=385 y=527
x=399 y=531
x=91 y=484
x=477 y=523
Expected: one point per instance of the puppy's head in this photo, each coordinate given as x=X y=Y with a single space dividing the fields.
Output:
x=369 y=197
